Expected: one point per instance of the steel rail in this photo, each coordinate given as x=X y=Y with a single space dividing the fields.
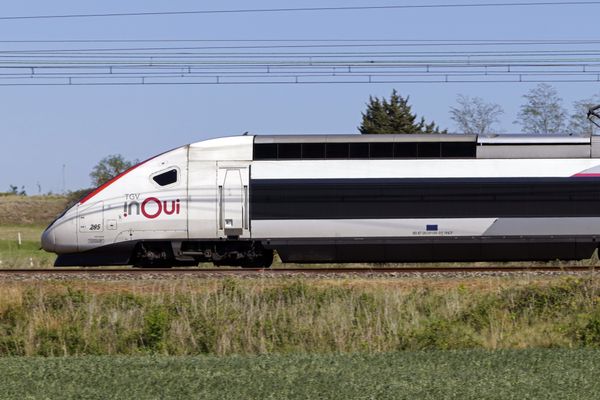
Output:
x=284 y=271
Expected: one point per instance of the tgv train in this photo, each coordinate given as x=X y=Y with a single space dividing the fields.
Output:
x=342 y=198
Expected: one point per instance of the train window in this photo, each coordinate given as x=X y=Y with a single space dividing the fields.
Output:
x=362 y=151
x=337 y=150
x=315 y=151
x=405 y=150
x=359 y=150
x=429 y=150
x=458 y=150
x=382 y=150
x=289 y=151
x=265 y=151
x=166 y=178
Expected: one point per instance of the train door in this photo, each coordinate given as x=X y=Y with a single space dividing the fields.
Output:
x=233 y=216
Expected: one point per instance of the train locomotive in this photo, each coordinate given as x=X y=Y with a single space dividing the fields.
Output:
x=342 y=198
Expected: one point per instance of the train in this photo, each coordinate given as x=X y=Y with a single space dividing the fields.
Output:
x=237 y=201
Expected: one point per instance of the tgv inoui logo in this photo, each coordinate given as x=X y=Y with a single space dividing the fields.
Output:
x=151 y=207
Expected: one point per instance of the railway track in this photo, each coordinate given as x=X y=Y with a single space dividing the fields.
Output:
x=294 y=271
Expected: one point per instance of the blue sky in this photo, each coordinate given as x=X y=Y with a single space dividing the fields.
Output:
x=42 y=128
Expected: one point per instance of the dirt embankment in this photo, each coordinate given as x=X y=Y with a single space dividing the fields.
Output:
x=30 y=210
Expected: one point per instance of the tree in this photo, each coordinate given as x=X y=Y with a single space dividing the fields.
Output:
x=393 y=116
x=108 y=168
x=543 y=111
x=474 y=115
x=578 y=122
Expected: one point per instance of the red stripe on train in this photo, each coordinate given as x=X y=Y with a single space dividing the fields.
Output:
x=107 y=184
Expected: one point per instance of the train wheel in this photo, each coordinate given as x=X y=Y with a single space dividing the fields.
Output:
x=263 y=261
x=153 y=255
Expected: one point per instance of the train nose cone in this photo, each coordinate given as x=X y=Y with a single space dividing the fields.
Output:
x=49 y=240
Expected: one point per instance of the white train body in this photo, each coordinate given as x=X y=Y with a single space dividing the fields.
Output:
x=342 y=198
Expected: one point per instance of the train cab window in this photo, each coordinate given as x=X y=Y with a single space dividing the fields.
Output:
x=359 y=151
x=429 y=150
x=313 y=151
x=405 y=150
x=337 y=150
x=166 y=178
x=289 y=151
x=382 y=150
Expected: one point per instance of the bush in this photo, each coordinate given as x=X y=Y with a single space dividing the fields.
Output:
x=235 y=316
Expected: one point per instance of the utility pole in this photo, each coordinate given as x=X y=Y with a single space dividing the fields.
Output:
x=64 y=180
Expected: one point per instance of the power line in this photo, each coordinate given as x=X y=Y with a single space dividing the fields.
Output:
x=439 y=80
x=179 y=50
x=330 y=46
x=234 y=47
x=305 y=62
x=415 y=42
x=296 y=73
x=306 y=9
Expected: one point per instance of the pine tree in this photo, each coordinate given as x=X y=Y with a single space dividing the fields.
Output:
x=393 y=116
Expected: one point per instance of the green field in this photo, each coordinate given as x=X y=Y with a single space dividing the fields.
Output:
x=530 y=374
x=27 y=215
x=26 y=255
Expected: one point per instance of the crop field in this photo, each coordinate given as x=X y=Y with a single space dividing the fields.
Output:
x=528 y=374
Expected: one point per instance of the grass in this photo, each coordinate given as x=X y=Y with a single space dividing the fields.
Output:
x=529 y=374
x=30 y=210
x=27 y=215
x=28 y=254
x=281 y=316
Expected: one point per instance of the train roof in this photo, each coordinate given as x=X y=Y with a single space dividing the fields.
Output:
x=407 y=146
x=399 y=138
x=358 y=138
x=269 y=147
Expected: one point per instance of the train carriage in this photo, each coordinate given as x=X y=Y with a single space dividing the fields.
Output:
x=342 y=198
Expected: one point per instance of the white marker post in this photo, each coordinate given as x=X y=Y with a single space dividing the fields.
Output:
x=19 y=239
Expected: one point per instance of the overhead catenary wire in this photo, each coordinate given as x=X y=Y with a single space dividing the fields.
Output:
x=143 y=81
x=314 y=62
x=407 y=42
x=303 y=9
x=260 y=44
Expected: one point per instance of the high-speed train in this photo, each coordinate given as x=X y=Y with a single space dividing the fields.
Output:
x=342 y=198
